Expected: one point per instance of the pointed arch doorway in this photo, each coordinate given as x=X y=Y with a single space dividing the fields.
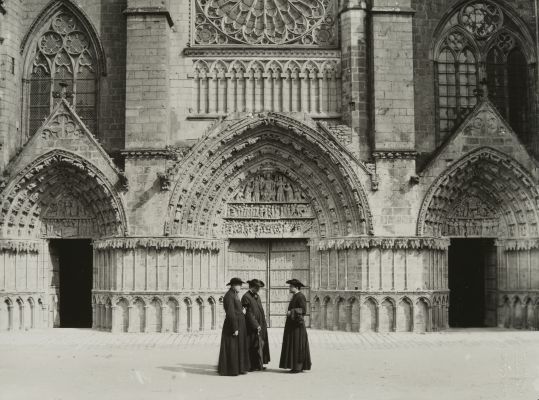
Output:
x=483 y=203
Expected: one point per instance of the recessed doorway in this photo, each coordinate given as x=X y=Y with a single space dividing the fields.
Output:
x=472 y=283
x=274 y=262
x=74 y=258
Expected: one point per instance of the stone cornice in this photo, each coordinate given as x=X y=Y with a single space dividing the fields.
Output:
x=268 y=52
x=157 y=243
x=20 y=245
x=147 y=153
x=411 y=243
x=150 y=11
x=392 y=10
x=395 y=154
x=518 y=244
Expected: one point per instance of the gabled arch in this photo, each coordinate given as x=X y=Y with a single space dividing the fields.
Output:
x=496 y=179
x=46 y=14
x=210 y=175
x=29 y=196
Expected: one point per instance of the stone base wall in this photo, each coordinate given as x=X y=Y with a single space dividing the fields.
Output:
x=189 y=311
x=359 y=311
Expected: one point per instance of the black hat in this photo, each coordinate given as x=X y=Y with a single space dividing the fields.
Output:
x=296 y=283
x=235 y=281
x=255 y=282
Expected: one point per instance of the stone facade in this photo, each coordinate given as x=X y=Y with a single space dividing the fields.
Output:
x=338 y=142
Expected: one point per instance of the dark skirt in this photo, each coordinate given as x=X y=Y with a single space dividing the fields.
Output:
x=295 y=353
x=234 y=354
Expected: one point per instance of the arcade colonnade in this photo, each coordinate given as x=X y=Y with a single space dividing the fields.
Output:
x=175 y=285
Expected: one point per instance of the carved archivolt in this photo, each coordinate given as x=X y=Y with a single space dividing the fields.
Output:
x=312 y=167
x=265 y=22
x=486 y=194
x=61 y=195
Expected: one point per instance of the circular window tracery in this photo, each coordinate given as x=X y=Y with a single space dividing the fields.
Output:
x=265 y=22
x=482 y=19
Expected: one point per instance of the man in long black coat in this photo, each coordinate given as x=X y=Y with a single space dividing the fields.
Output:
x=257 y=329
x=295 y=353
x=233 y=356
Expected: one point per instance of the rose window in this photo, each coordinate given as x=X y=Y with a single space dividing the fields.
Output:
x=266 y=22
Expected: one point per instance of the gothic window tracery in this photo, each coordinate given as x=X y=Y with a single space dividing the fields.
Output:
x=481 y=52
x=63 y=65
x=265 y=22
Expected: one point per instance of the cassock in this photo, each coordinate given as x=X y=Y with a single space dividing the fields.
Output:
x=254 y=318
x=295 y=354
x=233 y=356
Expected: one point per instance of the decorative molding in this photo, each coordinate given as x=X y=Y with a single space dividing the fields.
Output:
x=518 y=244
x=150 y=11
x=147 y=153
x=21 y=245
x=158 y=243
x=392 y=10
x=246 y=52
x=395 y=154
x=397 y=243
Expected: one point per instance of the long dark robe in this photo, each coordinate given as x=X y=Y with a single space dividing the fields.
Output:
x=295 y=353
x=233 y=356
x=255 y=318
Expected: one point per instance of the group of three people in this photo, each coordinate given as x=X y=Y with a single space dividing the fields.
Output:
x=244 y=340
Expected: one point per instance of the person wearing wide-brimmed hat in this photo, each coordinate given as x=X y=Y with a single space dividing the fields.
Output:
x=257 y=329
x=233 y=355
x=295 y=353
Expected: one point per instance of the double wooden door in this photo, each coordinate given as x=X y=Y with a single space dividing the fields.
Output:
x=274 y=262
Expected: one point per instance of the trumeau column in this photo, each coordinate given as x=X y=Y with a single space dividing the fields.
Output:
x=393 y=75
x=354 y=74
x=147 y=82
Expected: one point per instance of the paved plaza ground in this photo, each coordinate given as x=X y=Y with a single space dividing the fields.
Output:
x=73 y=364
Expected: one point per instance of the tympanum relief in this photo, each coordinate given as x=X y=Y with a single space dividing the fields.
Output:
x=268 y=205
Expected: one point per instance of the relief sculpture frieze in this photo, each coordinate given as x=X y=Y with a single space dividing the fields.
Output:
x=268 y=204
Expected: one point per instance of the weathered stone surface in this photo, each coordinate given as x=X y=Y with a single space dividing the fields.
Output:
x=307 y=147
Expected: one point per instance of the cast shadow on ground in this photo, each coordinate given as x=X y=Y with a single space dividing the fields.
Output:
x=207 y=369
x=196 y=369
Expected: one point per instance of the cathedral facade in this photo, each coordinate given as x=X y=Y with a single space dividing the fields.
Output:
x=382 y=152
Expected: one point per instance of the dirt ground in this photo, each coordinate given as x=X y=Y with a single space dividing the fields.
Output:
x=84 y=364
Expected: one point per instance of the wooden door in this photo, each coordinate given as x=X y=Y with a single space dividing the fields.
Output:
x=248 y=259
x=274 y=262
x=288 y=259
